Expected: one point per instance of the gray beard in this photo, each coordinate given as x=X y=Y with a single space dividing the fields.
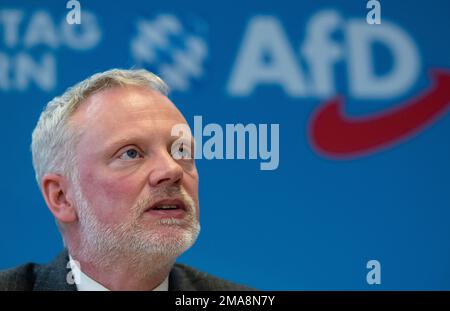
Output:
x=143 y=249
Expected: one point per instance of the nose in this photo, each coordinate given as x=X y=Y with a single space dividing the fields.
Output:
x=165 y=171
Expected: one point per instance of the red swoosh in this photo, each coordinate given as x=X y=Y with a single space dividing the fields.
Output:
x=336 y=135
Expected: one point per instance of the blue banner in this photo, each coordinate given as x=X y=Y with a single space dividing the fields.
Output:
x=345 y=166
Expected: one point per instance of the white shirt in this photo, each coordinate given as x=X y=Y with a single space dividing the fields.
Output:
x=85 y=283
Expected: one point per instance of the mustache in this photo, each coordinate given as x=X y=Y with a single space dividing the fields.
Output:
x=163 y=193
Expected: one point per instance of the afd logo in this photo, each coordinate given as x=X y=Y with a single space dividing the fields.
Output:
x=267 y=58
x=167 y=47
x=337 y=135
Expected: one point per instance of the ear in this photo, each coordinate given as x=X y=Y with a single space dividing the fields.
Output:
x=55 y=190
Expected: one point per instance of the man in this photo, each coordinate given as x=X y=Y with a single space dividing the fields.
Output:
x=123 y=190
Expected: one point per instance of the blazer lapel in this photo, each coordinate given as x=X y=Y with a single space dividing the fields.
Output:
x=53 y=276
x=179 y=281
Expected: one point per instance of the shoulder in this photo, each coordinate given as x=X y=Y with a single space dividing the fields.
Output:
x=19 y=278
x=37 y=277
x=183 y=277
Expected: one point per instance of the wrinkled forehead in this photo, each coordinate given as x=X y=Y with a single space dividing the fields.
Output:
x=127 y=101
x=122 y=113
x=126 y=105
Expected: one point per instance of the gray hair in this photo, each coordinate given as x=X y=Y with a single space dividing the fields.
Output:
x=53 y=139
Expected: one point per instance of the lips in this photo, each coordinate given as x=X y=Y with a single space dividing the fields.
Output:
x=174 y=208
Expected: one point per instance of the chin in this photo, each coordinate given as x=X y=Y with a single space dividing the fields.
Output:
x=169 y=248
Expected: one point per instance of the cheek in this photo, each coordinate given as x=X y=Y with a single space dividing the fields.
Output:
x=190 y=184
x=110 y=197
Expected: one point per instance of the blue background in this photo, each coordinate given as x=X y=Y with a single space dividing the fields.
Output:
x=313 y=223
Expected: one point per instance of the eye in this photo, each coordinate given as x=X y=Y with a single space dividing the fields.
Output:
x=181 y=148
x=130 y=154
x=181 y=151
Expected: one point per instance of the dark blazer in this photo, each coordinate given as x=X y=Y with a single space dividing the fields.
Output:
x=52 y=277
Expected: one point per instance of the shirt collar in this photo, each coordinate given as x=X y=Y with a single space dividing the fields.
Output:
x=85 y=283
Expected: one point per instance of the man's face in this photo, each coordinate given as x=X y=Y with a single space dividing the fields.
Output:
x=132 y=195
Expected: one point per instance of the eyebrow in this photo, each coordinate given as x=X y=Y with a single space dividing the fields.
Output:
x=115 y=144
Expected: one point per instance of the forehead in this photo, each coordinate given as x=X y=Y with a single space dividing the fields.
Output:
x=111 y=108
x=127 y=103
x=123 y=113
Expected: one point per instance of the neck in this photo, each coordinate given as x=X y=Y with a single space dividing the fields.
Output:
x=119 y=273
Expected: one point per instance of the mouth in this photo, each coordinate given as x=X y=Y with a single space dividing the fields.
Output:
x=172 y=208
